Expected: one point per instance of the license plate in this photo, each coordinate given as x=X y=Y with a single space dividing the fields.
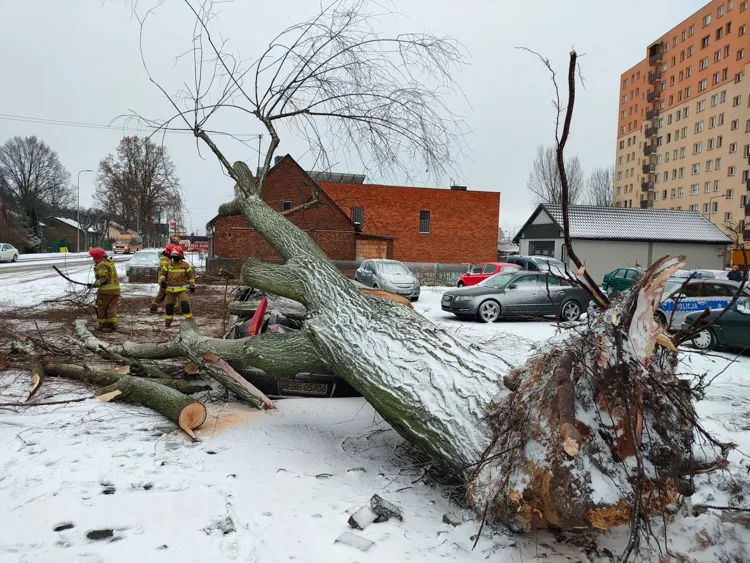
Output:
x=304 y=388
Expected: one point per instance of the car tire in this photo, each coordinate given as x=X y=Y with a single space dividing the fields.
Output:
x=571 y=311
x=488 y=311
x=609 y=289
x=15 y=258
x=460 y=284
x=375 y=286
x=413 y=299
x=705 y=340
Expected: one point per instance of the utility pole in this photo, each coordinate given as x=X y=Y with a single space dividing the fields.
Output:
x=78 y=218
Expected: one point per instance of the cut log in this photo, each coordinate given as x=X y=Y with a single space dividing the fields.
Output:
x=229 y=378
x=178 y=408
x=108 y=377
x=37 y=376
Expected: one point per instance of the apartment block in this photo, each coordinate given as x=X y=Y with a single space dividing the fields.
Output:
x=683 y=131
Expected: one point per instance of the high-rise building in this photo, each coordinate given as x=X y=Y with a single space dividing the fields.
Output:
x=683 y=131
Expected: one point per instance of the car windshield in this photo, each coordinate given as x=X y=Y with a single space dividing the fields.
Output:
x=393 y=268
x=498 y=280
x=122 y=240
x=145 y=259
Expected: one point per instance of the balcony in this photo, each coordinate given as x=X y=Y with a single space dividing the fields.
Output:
x=651 y=131
x=647 y=186
x=652 y=113
x=654 y=76
x=649 y=149
x=647 y=204
x=653 y=95
x=654 y=58
x=649 y=168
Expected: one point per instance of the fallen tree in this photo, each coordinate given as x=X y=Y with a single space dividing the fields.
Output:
x=592 y=432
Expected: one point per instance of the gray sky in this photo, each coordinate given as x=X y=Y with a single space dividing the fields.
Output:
x=79 y=61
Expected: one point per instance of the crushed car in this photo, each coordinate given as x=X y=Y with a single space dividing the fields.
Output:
x=254 y=313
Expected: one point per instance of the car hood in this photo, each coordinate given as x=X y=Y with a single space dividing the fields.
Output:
x=400 y=278
x=473 y=291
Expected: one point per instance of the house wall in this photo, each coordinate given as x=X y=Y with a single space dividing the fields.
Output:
x=463 y=224
x=331 y=230
x=56 y=231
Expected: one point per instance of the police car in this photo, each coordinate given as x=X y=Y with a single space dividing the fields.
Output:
x=695 y=295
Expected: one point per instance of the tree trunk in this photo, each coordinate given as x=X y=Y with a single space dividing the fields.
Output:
x=516 y=450
x=108 y=377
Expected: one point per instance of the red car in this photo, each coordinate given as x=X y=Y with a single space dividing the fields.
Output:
x=480 y=272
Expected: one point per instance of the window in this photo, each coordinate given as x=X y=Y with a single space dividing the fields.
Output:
x=735 y=124
x=682 y=56
x=681 y=76
x=727 y=217
x=681 y=172
x=730 y=193
x=718 y=164
x=687 y=92
x=691 y=31
x=715 y=206
x=674 y=173
x=690 y=53
x=723 y=96
x=696 y=168
x=702 y=85
x=685 y=112
x=619 y=160
x=717 y=56
x=709 y=165
x=684 y=132
x=699 y=127
x=747 y=126
x=683 y=152
x=680 y=192
x=358 y=216
x=707 y=187
x=286 y=205
x=705 y=208
x=742 y=31
x=711 y=122
x=714 y=100
x=732 y=147
x=673 y=193
x=705 y=42
x=684 y=35
x=706 y=20
x=729 y=28
x=721 y=120
x=740 y=54
x=731 y=170
x=669 y=138
x=669 y=119
x=695 y=189
x=721 y=10
x=622 y=144
x=737 y=100
x=716 y=185
x=424 y=221
x=743 y=6
x=619 y=190
x=738 y=77
x=725 y=75
x=694 y=207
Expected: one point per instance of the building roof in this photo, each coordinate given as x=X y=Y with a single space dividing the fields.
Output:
x=632 y=224
x=72 y=223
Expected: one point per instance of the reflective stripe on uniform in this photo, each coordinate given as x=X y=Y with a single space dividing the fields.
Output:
x=177 y=289
x=102 y=321
x=183 y=270
x=168 y=317
x=109 y=287
x=188 y=315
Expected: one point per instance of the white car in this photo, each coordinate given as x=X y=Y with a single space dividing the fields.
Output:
x=8 y=253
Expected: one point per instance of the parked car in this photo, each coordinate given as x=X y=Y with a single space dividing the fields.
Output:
x=517 y=294
x=732 y=330
x=8 y=253
x=389 y=275
x=620 y=279
x=480 y=272
x=695 y=295
x=144 y=266
x=538 y=264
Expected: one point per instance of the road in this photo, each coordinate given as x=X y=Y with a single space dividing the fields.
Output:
x=66 y=262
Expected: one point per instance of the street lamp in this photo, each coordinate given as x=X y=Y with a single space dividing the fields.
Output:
x=710 y=205
x=78 y=230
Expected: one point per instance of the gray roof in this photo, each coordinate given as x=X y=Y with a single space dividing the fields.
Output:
x=635 y=224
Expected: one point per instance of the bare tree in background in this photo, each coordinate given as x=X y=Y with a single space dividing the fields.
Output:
x=137 y=184
x=544 y=179
x=600 y=188
x=33 y=181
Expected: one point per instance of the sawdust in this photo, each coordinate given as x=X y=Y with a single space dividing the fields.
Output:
x=222 y=417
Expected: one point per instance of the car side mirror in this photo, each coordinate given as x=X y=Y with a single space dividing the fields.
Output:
x=513 y=286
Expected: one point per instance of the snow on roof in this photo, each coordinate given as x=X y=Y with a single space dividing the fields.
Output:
x=634 y=223
x=72 y=223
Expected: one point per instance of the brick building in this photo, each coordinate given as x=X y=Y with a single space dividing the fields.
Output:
x=357 y=221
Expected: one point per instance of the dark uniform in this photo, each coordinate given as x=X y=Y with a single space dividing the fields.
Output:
x=108 y=294
x=179 y=279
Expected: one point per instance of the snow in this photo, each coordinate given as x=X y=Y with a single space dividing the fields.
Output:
x=281 y=486
x=73 y=224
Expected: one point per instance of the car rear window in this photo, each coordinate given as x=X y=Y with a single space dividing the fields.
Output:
x=490 y=269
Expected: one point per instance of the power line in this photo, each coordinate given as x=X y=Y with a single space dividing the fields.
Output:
x=64 y=123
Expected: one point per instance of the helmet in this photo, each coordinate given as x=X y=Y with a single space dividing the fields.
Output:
x=97 y=253
x=177 y=251
x=168 y=249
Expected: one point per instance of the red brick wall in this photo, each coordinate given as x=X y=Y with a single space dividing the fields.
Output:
x=464 y=224
x=326 y=224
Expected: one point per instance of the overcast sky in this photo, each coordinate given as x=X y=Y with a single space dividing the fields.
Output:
x=79 y=61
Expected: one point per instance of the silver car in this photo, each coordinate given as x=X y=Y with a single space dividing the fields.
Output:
x=389 y=275
x=693 y=296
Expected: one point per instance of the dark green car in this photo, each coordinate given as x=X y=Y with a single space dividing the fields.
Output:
x=620 y=280
x=732 y=330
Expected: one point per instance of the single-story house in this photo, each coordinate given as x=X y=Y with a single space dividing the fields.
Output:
x=358 y=221
x=606 y=238
x=58 y=230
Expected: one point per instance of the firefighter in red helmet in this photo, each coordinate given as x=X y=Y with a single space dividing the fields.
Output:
x=177 y=279
x=164 y=261
x=108 y=290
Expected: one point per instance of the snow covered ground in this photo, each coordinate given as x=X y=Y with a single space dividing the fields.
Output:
x=279 y=486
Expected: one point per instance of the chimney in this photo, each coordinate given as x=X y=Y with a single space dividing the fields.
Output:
x=459 y=188
x=277 y=159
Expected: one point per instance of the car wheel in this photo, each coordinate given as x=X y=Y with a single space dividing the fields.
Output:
x=609 y=289
x=375 y=286
x=489 y=311
x=571 y=311
x=705 y=340
x=414 y=299
x=460 y=284
x=15 y=258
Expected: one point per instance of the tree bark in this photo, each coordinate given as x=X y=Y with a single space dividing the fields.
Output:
x=108 y=377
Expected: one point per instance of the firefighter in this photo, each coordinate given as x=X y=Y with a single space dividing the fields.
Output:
x=177 y=279
x=163 y=262
x=108 y=290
